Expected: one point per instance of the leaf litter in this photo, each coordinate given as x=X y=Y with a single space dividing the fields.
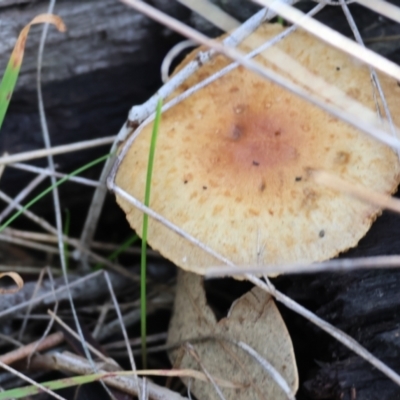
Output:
x=254 y=320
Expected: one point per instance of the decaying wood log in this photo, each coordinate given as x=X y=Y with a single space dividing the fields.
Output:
x=100 y=34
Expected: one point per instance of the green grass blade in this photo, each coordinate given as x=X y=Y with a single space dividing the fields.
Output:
x=26 y=391
x=50 y=188
x=11 y=73
x=143 y=260
x=128 y=242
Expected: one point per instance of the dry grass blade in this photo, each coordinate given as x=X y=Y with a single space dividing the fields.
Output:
x=31 y=381
x=212 y=13
x=96 y=352
x=46 y=172
x=22 y=195
x=73 y=242
x=334 y=38
x=29 y=244
x=359 y=192
x=67 y=148
x=122 y=325
x=338 y=265
x=382 y=7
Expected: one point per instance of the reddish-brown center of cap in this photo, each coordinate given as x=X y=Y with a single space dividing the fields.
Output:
x=266 y=140
x=258 y=140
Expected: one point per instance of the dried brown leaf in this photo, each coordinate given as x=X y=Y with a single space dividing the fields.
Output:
x=252 y=319
x=17 y=280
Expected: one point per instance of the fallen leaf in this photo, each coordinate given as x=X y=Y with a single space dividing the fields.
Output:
x=254 y=320
x=17 y=280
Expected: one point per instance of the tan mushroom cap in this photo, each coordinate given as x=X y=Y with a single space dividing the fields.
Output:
x=231 y=165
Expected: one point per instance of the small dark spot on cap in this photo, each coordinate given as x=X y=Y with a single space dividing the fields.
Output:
x=256 y=163
x=262 y=186
x=204 y=187
x=342 y=157
x=277 y=133
x=185 y=181
x=199 y=59
x=321 y=233
x=337 y=68
x=236 y=133
x=298 y=178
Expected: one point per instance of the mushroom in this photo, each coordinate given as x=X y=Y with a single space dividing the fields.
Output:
x=232 y=165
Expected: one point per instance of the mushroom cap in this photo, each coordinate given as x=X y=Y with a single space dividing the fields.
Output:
x=231 y=165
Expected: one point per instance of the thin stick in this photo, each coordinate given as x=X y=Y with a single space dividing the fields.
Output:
x=51 y=322
x=269 y=368
x=382 y=7
x=376 y=85
x=333 y=331
x=101 y=319
x=31 y=381
x=26 y=269
x=39 y=345
x=46 y=172
x=359 y=192
x=334 y=38
x=55 y=193
x=338 y=265
x=51 y=188
x=29 y=244
x=71 y=363
x=138 y=114
x=67 y=148
x=96 y=352
x=95 y=207
x=35 y=291
x=49 y=228
x=29 y=214
x=49 y=238
x=45 y=296
x=212 y=13
x=170 y=56
x=122 y=325
x=22 y=195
